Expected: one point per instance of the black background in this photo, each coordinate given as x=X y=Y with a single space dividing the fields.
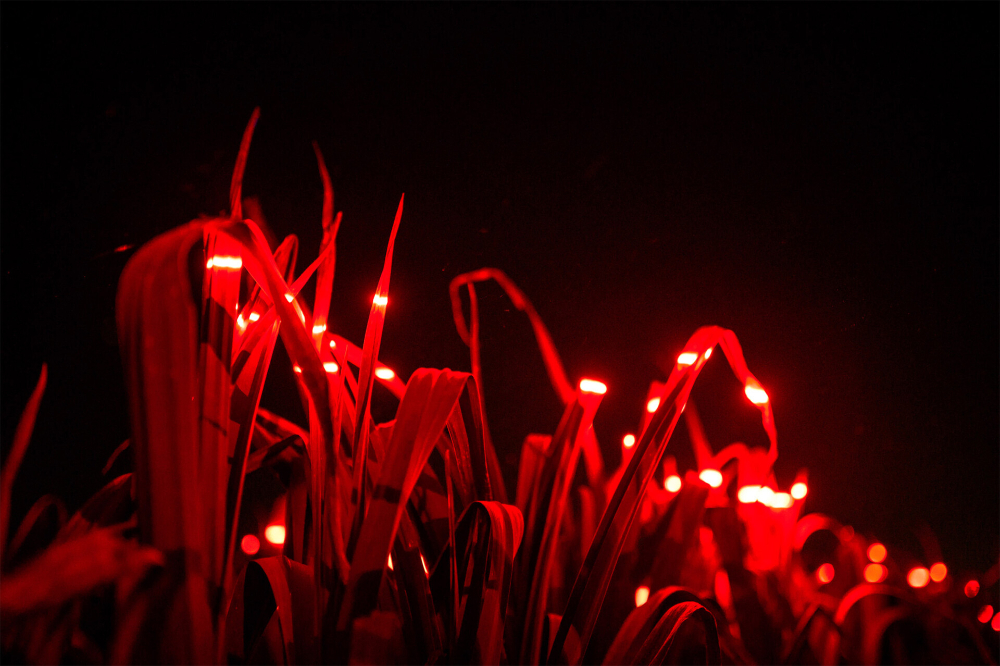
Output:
x=822 y=179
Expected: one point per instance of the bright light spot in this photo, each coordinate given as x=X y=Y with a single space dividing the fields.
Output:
x=333 y=344
x=938 y=572
x=241 y=322
x=297 y=369
x=289 y=297
x=985 y=613
x=593 y=386
x=781 y=501
x=673 y=483
x=390 y=562
x=875 y=573
x=918 y=577
x=330 y=366
x=250 y=544
x=765 y=495
x=748 y=494
x=686 y=359
x=653 y=405
x=380 y=300
x=877 y=552
x=423 y=563
x=972 y=588
x=708 y=353
x=628 y=441
x=712 y=477
x=254 y=316
x=384 y=373
x=995 y=624
x=825 y=573
x=220 y=261
x=755 y=393
x=641 y=595
x=275 y=534
x=319 y=328
x=799 y=490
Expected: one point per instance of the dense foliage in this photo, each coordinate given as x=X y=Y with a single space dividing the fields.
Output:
x=398 y=542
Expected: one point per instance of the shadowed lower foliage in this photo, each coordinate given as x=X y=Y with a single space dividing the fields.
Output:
x=241 y=537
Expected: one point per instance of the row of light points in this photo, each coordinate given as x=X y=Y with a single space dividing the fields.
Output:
x=917 y=577
x=768 y=497
x=382 y=372
x=753 y=390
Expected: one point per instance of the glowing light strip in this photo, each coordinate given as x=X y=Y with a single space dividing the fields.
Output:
x=593 y=386
x=223 y=261
x=686 y=359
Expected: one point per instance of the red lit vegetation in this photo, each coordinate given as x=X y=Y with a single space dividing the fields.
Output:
x=400 y=542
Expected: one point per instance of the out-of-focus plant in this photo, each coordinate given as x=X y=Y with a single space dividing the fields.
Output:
x=396 y=542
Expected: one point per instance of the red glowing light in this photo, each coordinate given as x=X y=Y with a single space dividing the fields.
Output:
x=222 y=261
x=297 y=369
x=254 y=316
x=241 y=322
x=686 y=359
x=799 y=490
x=289 y=297
x=938 y=572
x=275 y=534
x=972 y=588
x=708 y=353
x=319 y=328
x=641 y=595
x=384 y=373
x=593 y=386
x=331 y=367
x=781 y=501
x=423 y=563
x=825 y=573
x=712 y=477
x=628 y=441
x=995 y=624
x=765 y=495
x=748 y=494
x=918 y=577
x=985 y=613
x=755 y=393
x=877 y=552
x=673 y=483
x=389 y=562
x=249 y=544
x=875 y=573
x=652 y=405
x=380 y=300
x=333 y=344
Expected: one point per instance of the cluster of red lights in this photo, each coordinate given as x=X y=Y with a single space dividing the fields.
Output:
x=874 y=572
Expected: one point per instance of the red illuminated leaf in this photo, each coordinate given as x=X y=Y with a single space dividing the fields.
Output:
x=373 y=340
x=22 y=435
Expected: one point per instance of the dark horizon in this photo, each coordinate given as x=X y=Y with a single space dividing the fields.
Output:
x=822 y=179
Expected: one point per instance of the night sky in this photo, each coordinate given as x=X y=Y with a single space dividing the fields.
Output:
x=820 y=178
